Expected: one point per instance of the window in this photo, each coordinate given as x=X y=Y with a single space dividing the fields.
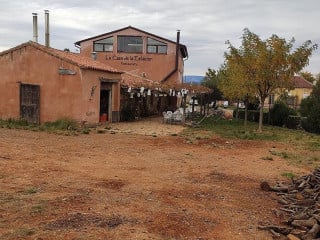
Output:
x=305 y=95
x=103 y=45
x=130 y=44
x=154 y=46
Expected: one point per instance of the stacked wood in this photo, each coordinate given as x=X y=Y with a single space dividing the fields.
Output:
x=300 y=204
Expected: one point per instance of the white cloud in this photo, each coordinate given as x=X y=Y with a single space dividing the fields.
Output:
x=205 y=24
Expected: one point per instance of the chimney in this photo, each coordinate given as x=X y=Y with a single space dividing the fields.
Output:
x=177 y=48
x=47 y=38
x=35 y=27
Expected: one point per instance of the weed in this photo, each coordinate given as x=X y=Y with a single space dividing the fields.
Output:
x=101 y=131
x=31 y=190
x=24 y=232
x=314 y=145
x=283 y=155
x=289 y=175
x=61 y=124
x=39 y=208
x=85 y=131
x=12 y=123
x=314 y=159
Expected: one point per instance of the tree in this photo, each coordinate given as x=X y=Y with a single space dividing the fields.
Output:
x=235 y=88
x=260 y=67
x=211 y=80
x=308 y=76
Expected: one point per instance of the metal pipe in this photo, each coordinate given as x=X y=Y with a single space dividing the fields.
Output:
x=177 y=48
x=47 y=34
x=35 y=27
x=176 y=60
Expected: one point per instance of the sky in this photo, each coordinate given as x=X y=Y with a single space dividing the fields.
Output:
x=205 y=25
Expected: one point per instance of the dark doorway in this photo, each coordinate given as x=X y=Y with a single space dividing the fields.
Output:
x=30 y=103
x=104 y=105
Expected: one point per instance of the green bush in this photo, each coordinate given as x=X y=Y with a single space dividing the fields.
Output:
x=280 y=113
x=293 y=122
x=310 y=110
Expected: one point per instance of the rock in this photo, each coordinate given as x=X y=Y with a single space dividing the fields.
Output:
x=265 y=186
x=227 y=114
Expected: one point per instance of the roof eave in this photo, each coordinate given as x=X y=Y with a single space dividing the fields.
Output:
x=121 y=29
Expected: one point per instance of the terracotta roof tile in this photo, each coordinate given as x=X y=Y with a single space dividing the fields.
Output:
x=300 y=82
x=73 y=58
x=135 y=81
x=132 y=80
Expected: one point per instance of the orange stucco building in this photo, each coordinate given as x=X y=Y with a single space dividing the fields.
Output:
x=138 y=52
x=41 y=84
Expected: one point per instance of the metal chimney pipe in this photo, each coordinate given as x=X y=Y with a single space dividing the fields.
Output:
x=177 y=48
x=47 y=35
x=35 y=27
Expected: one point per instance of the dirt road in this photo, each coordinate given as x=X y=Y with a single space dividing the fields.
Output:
x=135 y=182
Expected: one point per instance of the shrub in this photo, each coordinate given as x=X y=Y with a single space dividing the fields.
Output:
x=293 y=122
x=310 y=110
x=280 y=113
x=128 y=112
x=61 y=124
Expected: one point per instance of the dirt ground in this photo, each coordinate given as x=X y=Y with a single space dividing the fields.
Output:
x=138 y=180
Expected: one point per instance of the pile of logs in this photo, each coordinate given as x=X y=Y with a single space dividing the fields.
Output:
x=300 y=204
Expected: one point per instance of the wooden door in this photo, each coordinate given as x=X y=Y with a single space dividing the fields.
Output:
x=30 y=103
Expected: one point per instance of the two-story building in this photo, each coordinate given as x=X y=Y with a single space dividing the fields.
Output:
x=139 y=52
x=149 y=62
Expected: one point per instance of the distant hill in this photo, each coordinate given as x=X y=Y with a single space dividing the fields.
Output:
x=193 y=79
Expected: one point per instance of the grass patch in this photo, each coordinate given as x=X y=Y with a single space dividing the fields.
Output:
x=12 y=123
x=24 y=232
x=235 y=129
x=304 y=147
x=284 y=155
x=85 y=130
x=289 y=175
x=31 y=190
x=61 y=124
x=39 y=208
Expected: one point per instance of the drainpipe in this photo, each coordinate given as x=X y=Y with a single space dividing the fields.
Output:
x=177 y=59
x=35 y=27
x=47 y=35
